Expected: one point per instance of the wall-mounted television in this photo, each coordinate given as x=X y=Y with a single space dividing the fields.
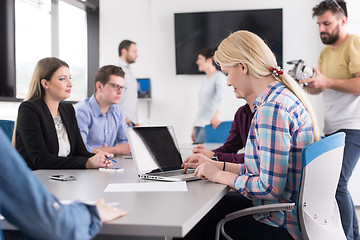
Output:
x=194 y=31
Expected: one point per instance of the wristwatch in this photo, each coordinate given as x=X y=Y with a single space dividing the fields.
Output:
x=215 y=157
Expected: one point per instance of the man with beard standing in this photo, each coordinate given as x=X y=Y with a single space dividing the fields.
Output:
x=129 y=99
x=338 y=78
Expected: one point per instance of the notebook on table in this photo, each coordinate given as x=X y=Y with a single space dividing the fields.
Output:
x=156 y=154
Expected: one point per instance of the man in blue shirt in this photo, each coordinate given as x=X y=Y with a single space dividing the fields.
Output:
x=27 y=204
x=101 y=122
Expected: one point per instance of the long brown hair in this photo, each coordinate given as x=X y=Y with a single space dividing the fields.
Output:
x=44 y=69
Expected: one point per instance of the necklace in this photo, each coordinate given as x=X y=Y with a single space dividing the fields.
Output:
x=58 y=122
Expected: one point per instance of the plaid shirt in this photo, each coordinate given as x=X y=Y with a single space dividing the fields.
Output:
x=280 y=129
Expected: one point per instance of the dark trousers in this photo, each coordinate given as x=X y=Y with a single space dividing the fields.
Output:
x=343 y=197
x=241 y=228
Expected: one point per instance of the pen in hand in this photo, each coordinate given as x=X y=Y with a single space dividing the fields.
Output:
x=111 y=159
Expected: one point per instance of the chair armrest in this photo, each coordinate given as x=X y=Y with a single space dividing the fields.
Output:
x=260 y=209
x=250 y=211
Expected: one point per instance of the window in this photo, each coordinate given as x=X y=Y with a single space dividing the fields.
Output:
x=32 y=39
x=73 y=47
x=45 y=28
x=33 y=32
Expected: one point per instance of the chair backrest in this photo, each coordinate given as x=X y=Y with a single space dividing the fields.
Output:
x=219 y=134
x=8 y=127
x=318 y=210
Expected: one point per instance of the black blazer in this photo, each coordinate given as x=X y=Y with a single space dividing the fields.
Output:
x=36 y=138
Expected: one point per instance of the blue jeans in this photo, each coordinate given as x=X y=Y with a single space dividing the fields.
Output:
x=343 y=197
x=200 y=136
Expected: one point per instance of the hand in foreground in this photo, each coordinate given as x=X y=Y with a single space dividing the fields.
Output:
x=100 y=160
x=201 y=149
x=108 y=213
x=194 y=161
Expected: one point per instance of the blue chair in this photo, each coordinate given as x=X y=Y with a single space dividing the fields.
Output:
x=8 y=127
x=319 y=215
x=219 y=134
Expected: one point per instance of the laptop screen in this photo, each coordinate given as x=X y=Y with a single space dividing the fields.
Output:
x=154 y=149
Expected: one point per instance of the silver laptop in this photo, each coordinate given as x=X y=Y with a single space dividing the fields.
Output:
x=156 y=154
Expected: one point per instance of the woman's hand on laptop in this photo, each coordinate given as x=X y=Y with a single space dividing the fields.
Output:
x=194 y=161
x=207 y=171
x=214 y=173
x=205 y=167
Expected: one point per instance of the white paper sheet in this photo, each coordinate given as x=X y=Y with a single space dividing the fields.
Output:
x=147 y=187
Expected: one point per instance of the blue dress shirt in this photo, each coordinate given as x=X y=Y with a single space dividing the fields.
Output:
x=98 y=129
x=27 y=204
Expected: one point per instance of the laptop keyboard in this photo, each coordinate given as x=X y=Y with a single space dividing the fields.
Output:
x=173 y=173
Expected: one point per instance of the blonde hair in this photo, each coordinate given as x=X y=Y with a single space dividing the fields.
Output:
x=244 y=46
x=44 y=69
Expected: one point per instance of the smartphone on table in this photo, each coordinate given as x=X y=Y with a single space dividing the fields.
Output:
x=61 y=177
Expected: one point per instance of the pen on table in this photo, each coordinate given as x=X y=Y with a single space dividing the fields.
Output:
x=111 y=159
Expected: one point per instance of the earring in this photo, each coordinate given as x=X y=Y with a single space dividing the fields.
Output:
x=242 y=66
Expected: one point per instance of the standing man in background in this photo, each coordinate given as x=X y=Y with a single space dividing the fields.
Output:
x=338 y=78
x=129 y=99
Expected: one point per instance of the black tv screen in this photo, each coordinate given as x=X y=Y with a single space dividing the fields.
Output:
x=194 y=31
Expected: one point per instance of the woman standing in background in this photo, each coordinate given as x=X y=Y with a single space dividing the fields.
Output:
x=211 y=95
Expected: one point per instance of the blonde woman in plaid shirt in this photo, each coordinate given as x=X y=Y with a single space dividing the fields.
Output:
x=282 y=126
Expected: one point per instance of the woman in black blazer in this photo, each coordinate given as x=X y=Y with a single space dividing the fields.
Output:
x=47 y=134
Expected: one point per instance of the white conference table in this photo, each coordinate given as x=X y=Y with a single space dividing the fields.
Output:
x=151 y=215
